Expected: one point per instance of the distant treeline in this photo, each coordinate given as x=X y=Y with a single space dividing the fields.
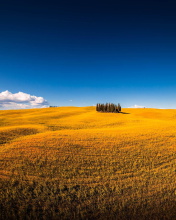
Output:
x=108 y=107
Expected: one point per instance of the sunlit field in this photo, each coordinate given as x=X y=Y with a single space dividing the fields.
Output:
x=76 y=163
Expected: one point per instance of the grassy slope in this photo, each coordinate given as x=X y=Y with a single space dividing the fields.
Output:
x=118 y=166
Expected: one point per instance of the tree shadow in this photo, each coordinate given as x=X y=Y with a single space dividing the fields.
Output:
x=124 y=112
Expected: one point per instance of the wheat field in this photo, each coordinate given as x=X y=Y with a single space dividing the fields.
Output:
x=76 y=163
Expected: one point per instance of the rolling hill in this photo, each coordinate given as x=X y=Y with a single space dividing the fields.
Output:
x=76 y=163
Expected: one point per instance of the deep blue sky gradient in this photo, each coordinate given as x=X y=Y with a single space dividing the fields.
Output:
x=90 y=51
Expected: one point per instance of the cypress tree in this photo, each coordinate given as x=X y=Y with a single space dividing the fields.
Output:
x=97 y=107
x=108 y=107
x=119 y=107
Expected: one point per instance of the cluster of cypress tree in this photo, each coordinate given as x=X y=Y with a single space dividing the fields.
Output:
x=108 y=107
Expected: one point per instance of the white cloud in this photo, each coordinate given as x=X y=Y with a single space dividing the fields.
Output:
x=137 y=106
x=20 y=100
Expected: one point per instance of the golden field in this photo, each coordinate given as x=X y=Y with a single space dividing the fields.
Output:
x=76 y=163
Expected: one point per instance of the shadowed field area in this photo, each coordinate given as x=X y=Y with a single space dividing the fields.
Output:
x=76 y=163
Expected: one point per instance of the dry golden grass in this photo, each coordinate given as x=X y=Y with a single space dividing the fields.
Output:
x=128 y=158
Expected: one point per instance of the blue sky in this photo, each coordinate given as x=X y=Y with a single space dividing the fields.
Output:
x=83 y=52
